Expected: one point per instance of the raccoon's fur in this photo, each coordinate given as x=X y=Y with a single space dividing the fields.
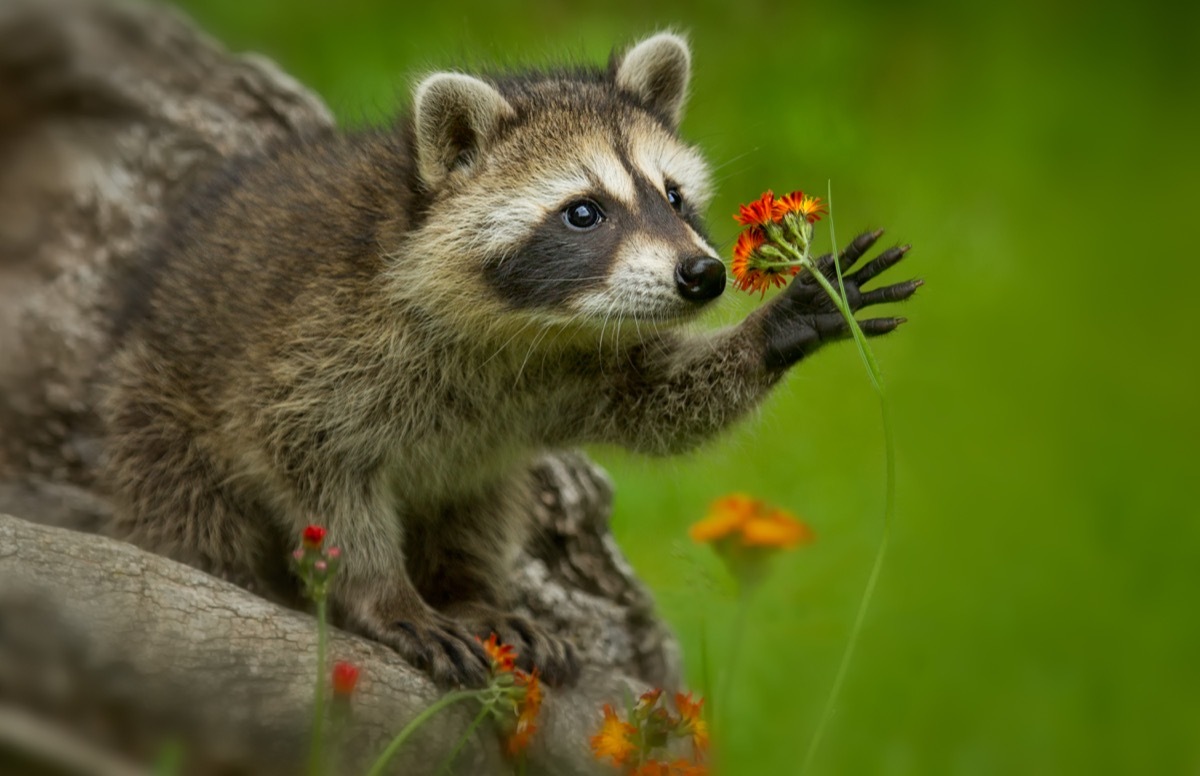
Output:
x=379 y=331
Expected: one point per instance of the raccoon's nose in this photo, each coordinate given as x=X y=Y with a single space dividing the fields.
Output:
x=700 y=278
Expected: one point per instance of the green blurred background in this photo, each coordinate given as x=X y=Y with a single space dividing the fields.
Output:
x=1038 y=610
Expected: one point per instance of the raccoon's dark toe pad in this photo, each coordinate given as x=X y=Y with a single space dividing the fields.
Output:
x=555 y=657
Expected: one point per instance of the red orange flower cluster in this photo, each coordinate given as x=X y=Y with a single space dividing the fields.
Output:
x=638 y=745
x=765 y=219
x=522 y=691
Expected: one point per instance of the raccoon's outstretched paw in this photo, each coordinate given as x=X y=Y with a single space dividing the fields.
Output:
x=555 y=658
x=803 y=317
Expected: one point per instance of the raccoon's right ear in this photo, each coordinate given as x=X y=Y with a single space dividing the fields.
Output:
x=657 y=71
x=453 y=117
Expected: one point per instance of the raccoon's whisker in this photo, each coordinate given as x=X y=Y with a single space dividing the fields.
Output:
x=536 y=340
x=505 y=344
x=612 y=305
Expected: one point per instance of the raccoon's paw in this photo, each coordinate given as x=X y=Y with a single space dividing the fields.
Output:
x=555 y=658
x=803 y=317
x=438 y=645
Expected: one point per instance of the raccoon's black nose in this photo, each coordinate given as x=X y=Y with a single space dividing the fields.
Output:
x=700 y=278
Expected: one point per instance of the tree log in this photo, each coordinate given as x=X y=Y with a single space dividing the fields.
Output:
x=109 y=113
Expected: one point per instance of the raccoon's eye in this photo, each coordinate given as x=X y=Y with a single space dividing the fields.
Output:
x=582 y=215
x=675 y=198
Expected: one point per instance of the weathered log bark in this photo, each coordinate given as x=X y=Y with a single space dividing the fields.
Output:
x=109 y=113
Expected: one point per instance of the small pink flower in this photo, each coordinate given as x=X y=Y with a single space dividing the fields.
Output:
x=321 y=567
x=333 y=553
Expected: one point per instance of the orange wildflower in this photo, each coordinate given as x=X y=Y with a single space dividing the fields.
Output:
x=527 y=712
x=690 y=721
x=809 y=208
x=775 y=528
x=750 y=269
x=760 y=212
x=503 y=656
x=647 y=700
x=750 y=522
x=613 y=740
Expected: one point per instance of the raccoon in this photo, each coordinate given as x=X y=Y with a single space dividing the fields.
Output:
x=379 y=331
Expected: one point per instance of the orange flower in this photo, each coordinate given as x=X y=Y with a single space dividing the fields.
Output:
x=527 y=712
x=760 y=212
x=503 y=656
x=647 y=701
x=751 y=271
x=775 y=528
x=726 y=515
x=809 y=208
x=613 y=740
x=751 y=523
x=690 y=721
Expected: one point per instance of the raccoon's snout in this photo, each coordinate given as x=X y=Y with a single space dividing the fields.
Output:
x=700 y=278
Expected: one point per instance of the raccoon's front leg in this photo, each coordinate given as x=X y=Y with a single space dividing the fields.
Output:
x=374 y=595
x=679 y=392
x=461 y=562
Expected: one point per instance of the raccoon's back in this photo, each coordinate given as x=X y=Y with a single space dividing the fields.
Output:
x=271 y=240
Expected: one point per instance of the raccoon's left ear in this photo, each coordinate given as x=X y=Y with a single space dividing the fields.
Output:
x=657 y=71
x=454 y=115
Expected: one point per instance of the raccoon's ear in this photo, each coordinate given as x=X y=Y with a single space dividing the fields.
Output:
x=454 y=115
x=657 y=72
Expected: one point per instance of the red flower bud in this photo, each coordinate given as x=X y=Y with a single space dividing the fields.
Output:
x=345 y=677
x=314 y=537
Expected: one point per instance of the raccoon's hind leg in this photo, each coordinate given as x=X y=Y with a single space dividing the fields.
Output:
x=461 y=560
x=169 y=498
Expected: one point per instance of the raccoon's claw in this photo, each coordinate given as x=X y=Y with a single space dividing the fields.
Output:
x=555 y=658
x=803 y=317
x=441 y=647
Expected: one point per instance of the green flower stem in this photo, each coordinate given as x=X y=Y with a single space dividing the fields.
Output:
x=745 y=593
x=462 y=741
x=316 y=754
x=889 y=442
x=397 y=742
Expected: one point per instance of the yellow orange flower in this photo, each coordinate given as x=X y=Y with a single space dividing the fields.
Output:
x=809 y=208
x=751 y=270
x=727 y=515
x=503 y=656
x=775 y=528
x=527 y=712
x=690 y=721
x=750 y=522
x=613 y=740
x=647 y=700
x=760 y=212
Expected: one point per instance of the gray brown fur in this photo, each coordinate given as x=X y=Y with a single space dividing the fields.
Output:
x=368 y=331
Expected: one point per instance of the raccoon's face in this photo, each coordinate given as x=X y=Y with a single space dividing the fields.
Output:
x=574 y=198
